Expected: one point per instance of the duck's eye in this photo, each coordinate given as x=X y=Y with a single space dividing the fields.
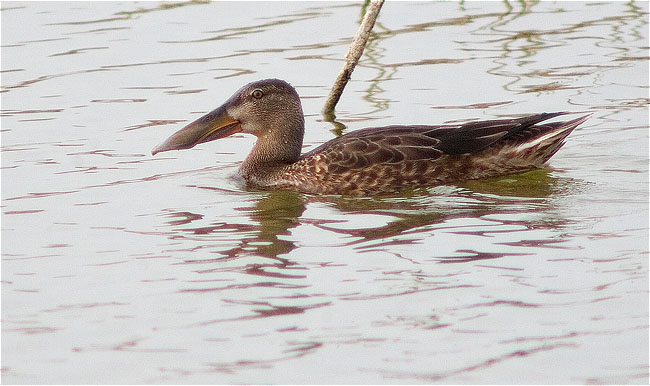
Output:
x=257 y=93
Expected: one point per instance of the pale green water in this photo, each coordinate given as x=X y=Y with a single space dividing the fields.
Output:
x=119 y=267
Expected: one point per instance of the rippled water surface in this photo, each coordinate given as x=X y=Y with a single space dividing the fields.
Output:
x=120 y=267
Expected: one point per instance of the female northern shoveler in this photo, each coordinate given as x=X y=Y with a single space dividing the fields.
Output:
x=372 y=160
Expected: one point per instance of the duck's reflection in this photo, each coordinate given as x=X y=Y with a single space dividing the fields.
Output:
x=275 y=213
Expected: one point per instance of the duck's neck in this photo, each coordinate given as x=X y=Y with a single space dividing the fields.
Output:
x=277 y=146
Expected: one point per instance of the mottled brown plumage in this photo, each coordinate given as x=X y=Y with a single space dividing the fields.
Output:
x=372 y=160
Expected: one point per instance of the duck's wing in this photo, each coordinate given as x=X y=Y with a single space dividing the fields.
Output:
x=473 y=137
x=394 y=144
x=385 y=145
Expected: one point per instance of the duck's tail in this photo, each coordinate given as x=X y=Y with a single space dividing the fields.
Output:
x=529 y=145
x=536 y=144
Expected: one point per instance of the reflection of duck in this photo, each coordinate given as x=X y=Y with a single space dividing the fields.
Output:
x=372 y=160
x=273 y=214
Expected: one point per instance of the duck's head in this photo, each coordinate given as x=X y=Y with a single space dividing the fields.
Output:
x=269 y=109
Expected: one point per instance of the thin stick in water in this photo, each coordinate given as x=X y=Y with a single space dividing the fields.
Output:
x=353 y=55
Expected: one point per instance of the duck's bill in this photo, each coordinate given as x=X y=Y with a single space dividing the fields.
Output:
x=214 y=125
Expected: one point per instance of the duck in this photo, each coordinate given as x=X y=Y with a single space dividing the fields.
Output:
x=373 y=160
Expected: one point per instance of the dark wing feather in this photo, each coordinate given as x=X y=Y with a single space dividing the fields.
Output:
x=395 y=144
x=475 y=136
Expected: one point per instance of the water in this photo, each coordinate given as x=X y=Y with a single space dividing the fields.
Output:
x=120 y=267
